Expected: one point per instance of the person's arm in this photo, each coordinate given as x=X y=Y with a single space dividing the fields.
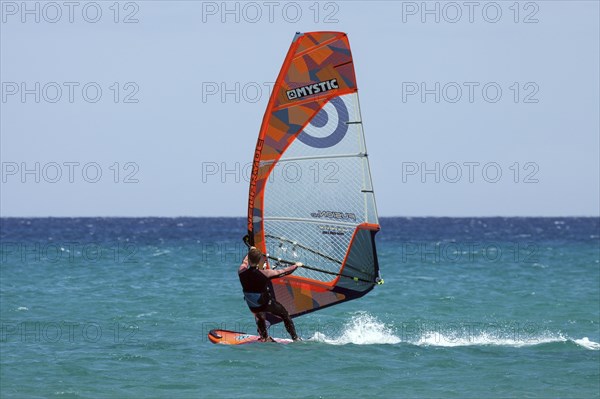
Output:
x=244 y=265
x=271 y=274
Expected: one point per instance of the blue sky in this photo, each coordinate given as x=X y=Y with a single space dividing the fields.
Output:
x=490 y=110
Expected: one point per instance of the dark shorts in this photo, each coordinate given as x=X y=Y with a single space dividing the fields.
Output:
x=273 y=307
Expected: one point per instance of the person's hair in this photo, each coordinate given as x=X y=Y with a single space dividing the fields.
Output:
x=254 y=256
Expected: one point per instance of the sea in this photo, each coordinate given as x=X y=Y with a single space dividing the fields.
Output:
x=469 y=308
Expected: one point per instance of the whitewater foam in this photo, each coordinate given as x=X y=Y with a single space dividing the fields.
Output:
x=363 y=329
x=586 y=343
x=433 y=338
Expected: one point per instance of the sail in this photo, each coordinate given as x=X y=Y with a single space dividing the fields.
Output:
x=311 y=198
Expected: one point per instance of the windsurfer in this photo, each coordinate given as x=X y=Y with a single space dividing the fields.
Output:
x=255 y=284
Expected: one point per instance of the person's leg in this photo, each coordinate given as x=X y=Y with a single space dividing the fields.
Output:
x=279 y=310
x=261 y=324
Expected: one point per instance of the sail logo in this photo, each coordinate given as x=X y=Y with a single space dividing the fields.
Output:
x=328 y=127
x=333 y=230
x=311 y=89
x=333 y=215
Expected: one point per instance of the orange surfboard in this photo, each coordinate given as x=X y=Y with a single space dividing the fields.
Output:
x=226 y=337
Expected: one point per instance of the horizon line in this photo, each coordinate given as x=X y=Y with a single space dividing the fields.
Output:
x=245 y=217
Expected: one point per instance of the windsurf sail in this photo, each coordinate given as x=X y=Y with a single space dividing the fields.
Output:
x=311 y=198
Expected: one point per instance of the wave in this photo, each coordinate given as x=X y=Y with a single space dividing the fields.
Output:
x=365 y=329
x=433 y=338
x=586 y=343
x=145 y=314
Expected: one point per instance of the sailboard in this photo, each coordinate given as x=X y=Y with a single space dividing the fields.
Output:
x=227 y=337
x=311 y=197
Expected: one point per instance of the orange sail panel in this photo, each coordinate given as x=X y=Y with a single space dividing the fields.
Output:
x=311 y=198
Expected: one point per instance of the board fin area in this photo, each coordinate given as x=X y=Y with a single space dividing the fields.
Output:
x=227 y=337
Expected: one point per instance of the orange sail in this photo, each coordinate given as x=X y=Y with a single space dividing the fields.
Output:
x=311 y=198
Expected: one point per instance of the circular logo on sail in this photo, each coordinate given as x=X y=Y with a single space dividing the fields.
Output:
x=328 y=127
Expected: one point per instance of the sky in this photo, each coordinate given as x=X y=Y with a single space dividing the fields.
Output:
x=152 y=108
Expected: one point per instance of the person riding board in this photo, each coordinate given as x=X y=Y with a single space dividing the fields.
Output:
x=255 y=284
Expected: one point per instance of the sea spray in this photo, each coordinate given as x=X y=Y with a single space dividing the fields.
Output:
x=361 y=329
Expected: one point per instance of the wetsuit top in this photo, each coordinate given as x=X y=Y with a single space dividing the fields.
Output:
x=256 y=287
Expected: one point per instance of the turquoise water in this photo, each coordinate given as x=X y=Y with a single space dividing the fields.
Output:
x=470 y=308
